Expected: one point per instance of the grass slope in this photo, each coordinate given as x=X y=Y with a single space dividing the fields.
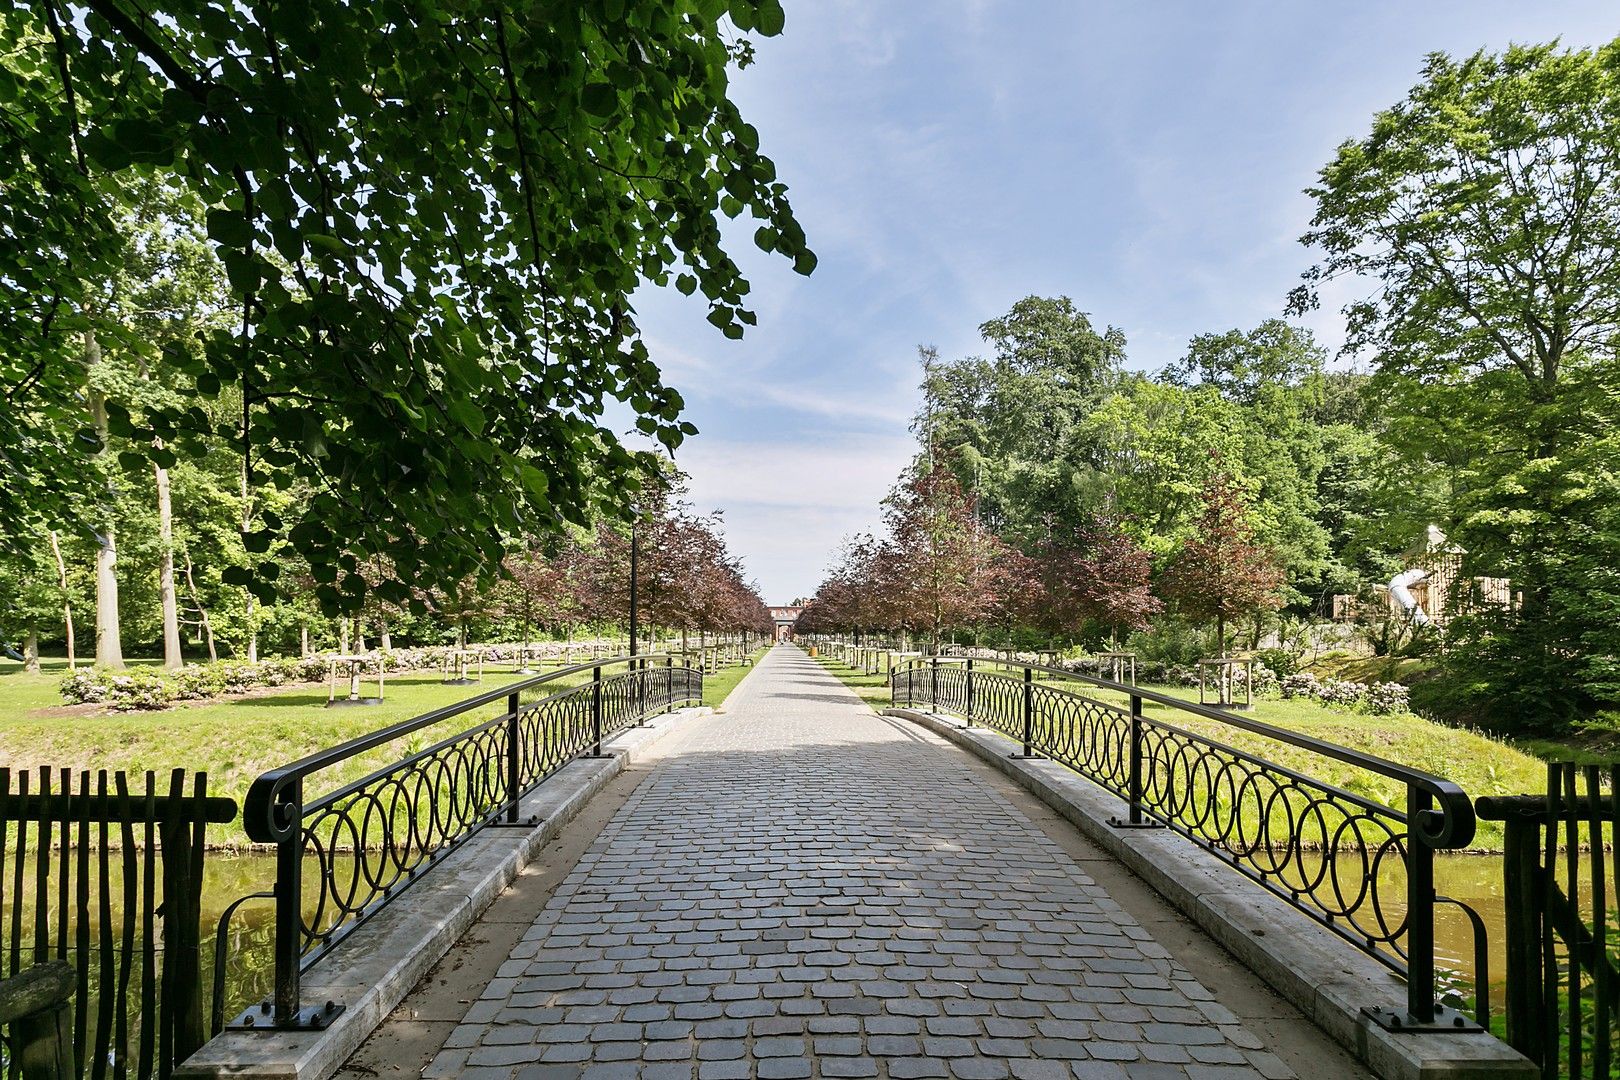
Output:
x=236 y=740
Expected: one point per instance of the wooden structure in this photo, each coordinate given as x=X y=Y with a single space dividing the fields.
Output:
x=521 y=656
x=457 y=666
x=74 y=849
x=354 y=666
x=1218 y=680
x=37 y=1005
x=1563 y=986
x=1117 y=667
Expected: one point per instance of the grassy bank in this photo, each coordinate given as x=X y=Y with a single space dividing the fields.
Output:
x=1478 y=763
x=234 y=740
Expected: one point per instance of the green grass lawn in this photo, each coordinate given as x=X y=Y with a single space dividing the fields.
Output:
x=236 y=740
x=1481 y=765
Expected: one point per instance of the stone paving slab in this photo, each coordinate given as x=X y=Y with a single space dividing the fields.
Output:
x=802 y=889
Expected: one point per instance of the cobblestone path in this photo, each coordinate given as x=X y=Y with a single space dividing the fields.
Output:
x=802 y=888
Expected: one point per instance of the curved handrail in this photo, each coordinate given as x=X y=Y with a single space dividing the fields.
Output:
x=264 y=825
x=1451 y=825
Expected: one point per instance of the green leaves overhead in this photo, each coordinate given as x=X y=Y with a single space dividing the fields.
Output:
x=431 y=222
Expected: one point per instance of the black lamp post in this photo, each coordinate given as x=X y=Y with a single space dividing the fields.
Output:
x=635 y=613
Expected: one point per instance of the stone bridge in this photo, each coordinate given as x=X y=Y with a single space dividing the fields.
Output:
x=796 y=886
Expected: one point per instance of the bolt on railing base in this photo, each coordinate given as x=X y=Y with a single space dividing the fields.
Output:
x=261 y=1017
x=527 y=823
x=1446 y=1021
x=1127 y=823
x=1019 y=755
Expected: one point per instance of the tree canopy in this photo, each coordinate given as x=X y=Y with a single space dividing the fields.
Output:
x=430 y=222
x=1485 y=207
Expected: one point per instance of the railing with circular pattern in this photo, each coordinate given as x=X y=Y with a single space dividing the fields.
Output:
x=1354 y=863
x=343 y=855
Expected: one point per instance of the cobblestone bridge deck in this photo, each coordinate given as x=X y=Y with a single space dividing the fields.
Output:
x=798 y=887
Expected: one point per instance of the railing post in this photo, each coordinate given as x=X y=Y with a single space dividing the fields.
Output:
x=289 y=891
x=1521 y=863
x=669 y=683
x=933 y=681
x=1029 y=711
x=1135 y=789
x=1419 y=909
x=596 y=709
x=970 y=691
x=512 y=758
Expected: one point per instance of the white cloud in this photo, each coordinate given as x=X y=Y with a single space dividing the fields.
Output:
x=788 y=505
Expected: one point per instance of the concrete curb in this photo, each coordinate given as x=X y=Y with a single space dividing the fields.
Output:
x=381 y=962
x=1303 y=961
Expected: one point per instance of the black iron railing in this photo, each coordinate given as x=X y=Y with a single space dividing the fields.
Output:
x=1360 y=867
x=368 y=839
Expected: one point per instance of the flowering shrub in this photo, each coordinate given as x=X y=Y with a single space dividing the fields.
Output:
x=1387 y=697
x=86 y=686
x=149 y=688
x=123 y=690
x=1265 y=680
x=1341 y=692
x=1302 y=684
x=1380 y=699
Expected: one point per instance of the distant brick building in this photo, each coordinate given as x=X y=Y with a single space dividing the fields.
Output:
x=785 y=617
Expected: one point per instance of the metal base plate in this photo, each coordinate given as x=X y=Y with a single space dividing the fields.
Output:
x=523 y=823
x=1445 y=1020
x=340 y=703
x=1127 y=823
x=1019 y=755
x=261 y=1017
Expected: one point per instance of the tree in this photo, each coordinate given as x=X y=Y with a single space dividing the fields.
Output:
x=1005 y=423
x=1486 y=207
x=1094 y=573
x=30 y=599
x=1220 y=573
x=432 y=223
x=950 y=569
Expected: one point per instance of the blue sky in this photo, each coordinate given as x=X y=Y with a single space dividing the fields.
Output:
x=947 y=158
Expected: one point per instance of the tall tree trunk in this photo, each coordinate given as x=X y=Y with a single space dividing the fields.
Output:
x=343 y=635
x=303 y=640
x=67 y=604
x=385 y=640
x=202 y=612
x=31 y=651
x=109 y=644
x=359 y=635
x=172 y=658
x=1220 y=635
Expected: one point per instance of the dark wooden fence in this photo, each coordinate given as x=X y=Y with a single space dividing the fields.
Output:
x=1560 y=879
x=108 y=880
